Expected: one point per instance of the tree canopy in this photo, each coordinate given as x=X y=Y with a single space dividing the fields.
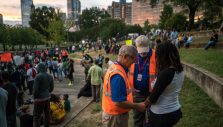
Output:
x=192 y=6
x=41 y=18
x=92 y=17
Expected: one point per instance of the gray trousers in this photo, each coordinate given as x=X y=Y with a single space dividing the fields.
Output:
x=96 y=92
x=120 y=120
x=139 y=117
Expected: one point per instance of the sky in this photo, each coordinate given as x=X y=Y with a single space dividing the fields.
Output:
x=11 y=11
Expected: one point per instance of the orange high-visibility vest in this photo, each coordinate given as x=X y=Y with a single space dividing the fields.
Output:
x=108 y=105
x=152 y=71
x=6 y=57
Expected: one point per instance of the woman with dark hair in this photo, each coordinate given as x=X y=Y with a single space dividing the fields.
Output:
x=163 y=103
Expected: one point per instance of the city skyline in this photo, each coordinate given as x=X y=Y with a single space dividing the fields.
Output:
x=11 y=10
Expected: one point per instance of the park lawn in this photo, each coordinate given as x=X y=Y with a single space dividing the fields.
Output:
x=211 y=60
x=199 y=110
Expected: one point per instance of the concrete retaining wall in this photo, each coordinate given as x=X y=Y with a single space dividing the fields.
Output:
x=210 y=83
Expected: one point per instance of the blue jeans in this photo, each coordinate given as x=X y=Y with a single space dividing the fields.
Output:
x=209 y=44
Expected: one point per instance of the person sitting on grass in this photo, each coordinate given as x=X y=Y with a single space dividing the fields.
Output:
x=189 y=41
x=213 y=40
x=66 y=103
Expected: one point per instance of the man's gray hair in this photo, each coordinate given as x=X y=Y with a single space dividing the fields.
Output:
x=128 y=50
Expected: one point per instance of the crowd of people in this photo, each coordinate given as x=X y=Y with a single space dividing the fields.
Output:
x=181 y=40
x=146 y=77
x=26 y=83
x=146 y=80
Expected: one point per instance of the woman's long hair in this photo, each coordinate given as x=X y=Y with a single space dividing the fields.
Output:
x=167 y=55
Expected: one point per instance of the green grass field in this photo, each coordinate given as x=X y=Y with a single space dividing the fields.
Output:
x=211 y=60
x=199 y=110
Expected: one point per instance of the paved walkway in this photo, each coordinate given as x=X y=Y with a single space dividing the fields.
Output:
x=76 y=104
x=61 y=88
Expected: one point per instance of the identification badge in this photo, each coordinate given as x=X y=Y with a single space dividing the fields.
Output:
x=139 y=78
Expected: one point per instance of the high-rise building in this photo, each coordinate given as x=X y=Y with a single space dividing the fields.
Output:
x=121 y=11
x=123 y=1
x=1 y=19
x=109 y=10
x=142 y=11
x=128 y=7
x=26 y=9
x=73 y=9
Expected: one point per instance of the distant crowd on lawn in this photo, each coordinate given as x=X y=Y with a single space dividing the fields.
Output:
x=180 y=40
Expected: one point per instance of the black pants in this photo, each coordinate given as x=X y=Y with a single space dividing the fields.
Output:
x=11 y=120
x=164 y=120
x=23 y=83
x=139 y=117
x=30 y=86
x=39 y=109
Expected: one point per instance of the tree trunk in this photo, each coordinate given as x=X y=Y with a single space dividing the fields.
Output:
x=13 y=48
x=20 y=47
x=191 y=18
x=4 y=47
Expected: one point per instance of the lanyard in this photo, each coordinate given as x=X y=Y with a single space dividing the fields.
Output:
x=139 y=68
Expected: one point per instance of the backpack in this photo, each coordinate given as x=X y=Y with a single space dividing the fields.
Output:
x=33 y=73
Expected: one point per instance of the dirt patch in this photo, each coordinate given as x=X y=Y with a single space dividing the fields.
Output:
x=90 y=117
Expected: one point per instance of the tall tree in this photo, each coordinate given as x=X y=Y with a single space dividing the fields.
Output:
x=192 y=5
x=41 y=18
x=4 y=35
x=213 y=10
x=92 y=17
x=56 y=31
x=112 y=28
x=165 y=15
x=146 y=27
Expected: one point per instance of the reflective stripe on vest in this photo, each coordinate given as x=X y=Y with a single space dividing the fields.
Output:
x=152 y=71
x=107 y=104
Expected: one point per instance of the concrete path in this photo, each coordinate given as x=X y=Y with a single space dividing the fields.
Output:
x=62 y=88
x=76 y=104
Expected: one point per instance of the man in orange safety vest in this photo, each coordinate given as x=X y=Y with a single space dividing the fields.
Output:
x=117 y=98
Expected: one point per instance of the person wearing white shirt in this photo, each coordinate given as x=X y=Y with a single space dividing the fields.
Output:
x=30 y=78
x=17 y=60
